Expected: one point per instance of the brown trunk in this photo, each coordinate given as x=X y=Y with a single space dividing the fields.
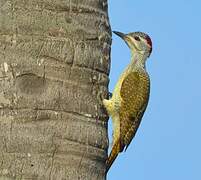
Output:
x=54 y=65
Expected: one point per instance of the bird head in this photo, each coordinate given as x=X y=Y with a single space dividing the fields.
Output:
x=137 y=42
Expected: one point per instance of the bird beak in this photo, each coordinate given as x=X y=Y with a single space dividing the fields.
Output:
x=122 y=35
x=129 y=41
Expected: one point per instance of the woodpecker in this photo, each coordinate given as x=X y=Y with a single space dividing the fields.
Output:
x=131 y=94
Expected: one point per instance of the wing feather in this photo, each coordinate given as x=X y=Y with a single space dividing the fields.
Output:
x=135 y=94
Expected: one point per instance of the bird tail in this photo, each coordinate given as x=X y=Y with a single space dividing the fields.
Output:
x=113 y=155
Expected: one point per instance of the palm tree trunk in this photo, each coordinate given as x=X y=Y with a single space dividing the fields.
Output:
x=54 y=66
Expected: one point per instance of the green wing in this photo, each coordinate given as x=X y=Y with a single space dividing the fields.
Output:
x=135 y=95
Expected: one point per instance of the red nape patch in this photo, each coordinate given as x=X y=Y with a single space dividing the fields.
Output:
x=149 y=42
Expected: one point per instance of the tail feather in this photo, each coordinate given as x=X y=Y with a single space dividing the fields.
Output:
x=113 y=155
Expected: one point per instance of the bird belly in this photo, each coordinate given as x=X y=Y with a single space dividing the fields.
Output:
x=116 y=128
x=116 y=105
x=113 y=108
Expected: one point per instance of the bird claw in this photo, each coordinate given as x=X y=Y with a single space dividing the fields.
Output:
x=110 y=94
x=101 y=96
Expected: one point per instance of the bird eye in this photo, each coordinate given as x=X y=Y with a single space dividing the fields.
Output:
x=137 y=38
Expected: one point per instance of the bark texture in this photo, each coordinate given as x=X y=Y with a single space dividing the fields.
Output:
x=54 y=66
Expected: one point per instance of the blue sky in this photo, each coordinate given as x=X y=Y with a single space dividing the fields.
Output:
x=168 y=142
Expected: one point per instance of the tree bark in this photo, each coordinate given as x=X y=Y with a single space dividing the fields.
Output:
x=54 y=66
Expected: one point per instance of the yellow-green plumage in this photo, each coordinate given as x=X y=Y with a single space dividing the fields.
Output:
x=126 y=108
x=135 y=94
x=131 y=94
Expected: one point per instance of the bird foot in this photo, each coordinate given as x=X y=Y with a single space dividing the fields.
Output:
x=109 y=95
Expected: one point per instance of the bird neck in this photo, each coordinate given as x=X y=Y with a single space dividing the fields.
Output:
x=138 y=61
